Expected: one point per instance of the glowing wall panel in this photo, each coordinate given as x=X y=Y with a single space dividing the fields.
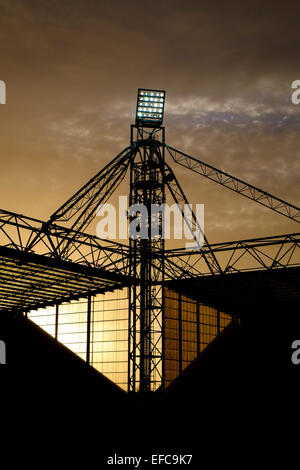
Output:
x=189 y=327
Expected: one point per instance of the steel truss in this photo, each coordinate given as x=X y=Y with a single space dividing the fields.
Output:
x=235 y=184
x=192 y=222
x=256 y=254
x=28 y=235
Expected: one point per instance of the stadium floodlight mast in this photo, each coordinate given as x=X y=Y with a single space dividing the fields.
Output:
x=150 y=107
x=146 y=295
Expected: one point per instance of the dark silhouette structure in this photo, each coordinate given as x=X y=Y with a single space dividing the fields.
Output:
x=256 y=281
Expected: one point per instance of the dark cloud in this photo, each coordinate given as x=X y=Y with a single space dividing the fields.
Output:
x=72 y=68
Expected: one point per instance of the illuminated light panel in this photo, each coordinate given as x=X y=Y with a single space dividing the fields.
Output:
x=150 y=107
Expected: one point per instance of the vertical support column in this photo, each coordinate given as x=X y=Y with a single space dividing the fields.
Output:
x=56 y=321
x=133 y=291
x=180 y=331
x=163 y=368
x=144 y=323
x=218 y=322
x=131 y=362
x=88 y=333
x=145 y=342
x=198 y=327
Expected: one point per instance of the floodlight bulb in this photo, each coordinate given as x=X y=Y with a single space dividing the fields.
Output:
x=149 y=110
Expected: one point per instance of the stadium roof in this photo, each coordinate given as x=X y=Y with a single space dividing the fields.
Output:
x=30 y=281
x=237 y=292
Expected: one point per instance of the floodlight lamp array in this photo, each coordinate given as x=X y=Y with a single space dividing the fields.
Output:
x=150 y=107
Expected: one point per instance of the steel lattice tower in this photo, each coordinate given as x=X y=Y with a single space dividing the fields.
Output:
x=146 y=296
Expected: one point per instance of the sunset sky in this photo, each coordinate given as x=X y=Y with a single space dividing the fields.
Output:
x=72 y=69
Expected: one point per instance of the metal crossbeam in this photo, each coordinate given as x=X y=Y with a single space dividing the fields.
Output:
x=180 y=199
x=81 y=208
x=81 y=204
x=29 y=235
x=266 y=253
x=235 y=184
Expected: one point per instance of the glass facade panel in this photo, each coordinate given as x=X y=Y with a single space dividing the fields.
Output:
x=188 y=327
x=108 y=331
x=109 y=336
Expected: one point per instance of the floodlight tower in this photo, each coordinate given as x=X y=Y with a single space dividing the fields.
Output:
x=146 y=297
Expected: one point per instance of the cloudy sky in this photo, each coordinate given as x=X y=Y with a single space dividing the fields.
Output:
x=72 y=69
